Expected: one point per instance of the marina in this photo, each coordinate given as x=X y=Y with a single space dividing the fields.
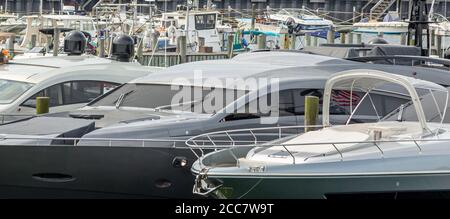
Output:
x=224 y=99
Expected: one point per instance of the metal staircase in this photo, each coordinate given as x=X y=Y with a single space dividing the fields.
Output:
x=89 y=5
x=380 y=8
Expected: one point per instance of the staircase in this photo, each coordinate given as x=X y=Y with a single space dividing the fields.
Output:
x=90 y=5
x=379 y=9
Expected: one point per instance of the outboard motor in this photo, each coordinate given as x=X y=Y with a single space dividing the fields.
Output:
x=123 y=48
x=75 y=43
x=378 y=40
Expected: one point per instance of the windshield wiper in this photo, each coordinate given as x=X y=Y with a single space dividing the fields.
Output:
x=178 y=104
x=119 y=100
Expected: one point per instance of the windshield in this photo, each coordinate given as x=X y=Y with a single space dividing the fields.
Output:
x=433 y=103
x=165 y=97
x=11 y=90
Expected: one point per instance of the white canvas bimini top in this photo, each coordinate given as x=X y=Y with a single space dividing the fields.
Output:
x=366 y=80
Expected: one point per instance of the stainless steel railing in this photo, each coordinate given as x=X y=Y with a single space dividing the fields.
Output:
x=207 y=142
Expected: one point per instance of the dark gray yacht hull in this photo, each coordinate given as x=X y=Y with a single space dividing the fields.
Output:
x=93 y=172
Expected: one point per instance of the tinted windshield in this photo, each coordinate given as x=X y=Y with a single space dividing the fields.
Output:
x=167 y=98
x=433 y=105
x=11 y=90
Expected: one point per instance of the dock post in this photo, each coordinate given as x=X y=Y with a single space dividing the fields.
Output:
x=308 y=39
x=350 y=38
x=439 y=46
x=311 y=112
x=403 y=39
x=154 y=41
x=230 y=45
x=140 y=51
x=433 y=38
x=253 y=17
x=261 y=41
x=315 y=41
x=11 y=44
x=285 y=40
x=34 y=40
x=56 y=42
x=358 y=38
x=42 y=105
x=292 y=41
x=342 y=36
x=330 y=36
x=182 y=48
x=101 y=48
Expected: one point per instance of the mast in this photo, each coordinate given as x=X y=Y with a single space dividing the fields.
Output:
x=418 y=23
x=41 y=5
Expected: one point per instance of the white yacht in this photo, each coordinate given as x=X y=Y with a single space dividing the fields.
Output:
x=36 y=23
x=406 y=152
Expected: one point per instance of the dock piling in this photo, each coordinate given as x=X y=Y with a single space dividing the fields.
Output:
x=292 y=41
x=56 y=42
x=42 y=105
x=308 y=39
x=11 y=44
x=358 y=38
x=182 y=48
x=403 y=39
x=343 y=36
x=311 y=112
x=315 y=41
x=330 y=36
x=350 y=38
x=439 y=46
x=230 y=45
x=261 y=41
x=101 y=48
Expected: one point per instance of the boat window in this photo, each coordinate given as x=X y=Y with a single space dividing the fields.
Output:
x=292 y=103
x=54 y=93
x=84 y=91
x=433 y=104
x=71 y=93
x=205 y=21
x=11 y=90
x=161 y=96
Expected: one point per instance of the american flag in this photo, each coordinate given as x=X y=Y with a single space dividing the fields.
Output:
x=342 y=97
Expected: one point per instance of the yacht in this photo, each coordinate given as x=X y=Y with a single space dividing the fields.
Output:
x=72 y=22
x=301 y=21
x=405 y=153
x=138 y=125
x=195 y=25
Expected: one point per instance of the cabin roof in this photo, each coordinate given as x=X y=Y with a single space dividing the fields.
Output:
x=30 y=71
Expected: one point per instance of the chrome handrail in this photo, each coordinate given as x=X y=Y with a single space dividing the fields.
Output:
x=213 y=143
x=107 y=142
x=265 y=144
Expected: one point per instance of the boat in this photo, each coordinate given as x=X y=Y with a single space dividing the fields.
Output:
x=300 y=22
x=33 y=36
x=441 y=25
x=405 y=153
x=391 y=24
x=11 y=23
x=201 y=28
x=69 y=81
x=138 y=125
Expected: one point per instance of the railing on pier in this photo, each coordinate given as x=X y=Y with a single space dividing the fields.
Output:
x=173 y=58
